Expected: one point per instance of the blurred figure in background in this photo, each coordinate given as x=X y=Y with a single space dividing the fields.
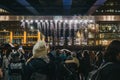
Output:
x=1 y=61
x=28 y=54
x=111 y=69
x=99 y=58
x=6 y=58
x=85 y=64
x=1 y=58
x=15 y=67
x=93 y=58
x=72 y=65
x=1 y=74
x=21 y=52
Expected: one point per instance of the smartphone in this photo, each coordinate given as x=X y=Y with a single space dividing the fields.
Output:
x=20 y=47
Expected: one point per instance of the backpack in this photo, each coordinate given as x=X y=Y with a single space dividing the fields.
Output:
x=15 y=68
x=71 y=68
x=94 y=75
x=39 y=74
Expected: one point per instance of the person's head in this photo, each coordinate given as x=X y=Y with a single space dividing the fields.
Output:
x=39 y=49
x=85 y=53
x=73 y=54
x=112 y=52
x=52 y=48
x=15 y=56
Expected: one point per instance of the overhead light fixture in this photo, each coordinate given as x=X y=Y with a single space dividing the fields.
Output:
x=26 y=20
x=31 y=21
x=71 y=21
x=46 y=20
x=80 y=20
x=4 y=30
x=76 y=21
x=41 y=20
x=36 y=21
x=51 y=20
x=61 y=20
x=56 y=20
x=66 y=21
x=31 y=27
x=90 y=21
x=22 y=20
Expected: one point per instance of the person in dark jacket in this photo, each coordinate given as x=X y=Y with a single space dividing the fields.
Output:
x=112 y=55
x=1 y=58
x=39 y=63
x=15 y=66
x=85 y=64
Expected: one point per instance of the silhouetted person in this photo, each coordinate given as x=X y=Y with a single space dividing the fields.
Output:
x=85 y=64
x=112 y=55
x=38 y=66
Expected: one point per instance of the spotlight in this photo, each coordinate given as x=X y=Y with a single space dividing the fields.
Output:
x=66 y=21
x=31 y=21
x=31 y=27
x=90 y=21
x=71 y=21
x=76 y=21
x=61 y=20
x=56 y=20
x=26 y=21
x=51 y=21
x=41 y=20
x=86 y=21
x=80 y=20
x=4 y=30
x=46 y=20
x=22 y=20
x=36 y=21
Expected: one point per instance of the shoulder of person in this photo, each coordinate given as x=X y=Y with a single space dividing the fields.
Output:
x=36 y=62
x=110 y=67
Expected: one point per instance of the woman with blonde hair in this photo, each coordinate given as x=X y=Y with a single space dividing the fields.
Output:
x=38 y=63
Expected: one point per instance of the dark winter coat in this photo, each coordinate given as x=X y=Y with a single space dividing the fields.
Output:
x=37 y=65
x=110 y=72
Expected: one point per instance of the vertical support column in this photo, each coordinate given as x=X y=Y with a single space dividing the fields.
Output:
x=66 y=33
x=39 y=38
x=52 y=25
x=55 y=31
x=70 y=38
x=11 y=36
x=75 y=29
x=72 y=33
x=44 y=28
x=97 y=35
x=24 y=40
x=59 y=32
x=64 y=28
x=47 y=30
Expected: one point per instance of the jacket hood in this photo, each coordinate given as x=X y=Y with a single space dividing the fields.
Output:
x=39 y=49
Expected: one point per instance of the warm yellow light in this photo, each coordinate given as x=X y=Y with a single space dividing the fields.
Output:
x=24 y=40
x=4 y=30
x=78 y=34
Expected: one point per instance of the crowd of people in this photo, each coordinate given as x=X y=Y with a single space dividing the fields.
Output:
x=48 y=63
